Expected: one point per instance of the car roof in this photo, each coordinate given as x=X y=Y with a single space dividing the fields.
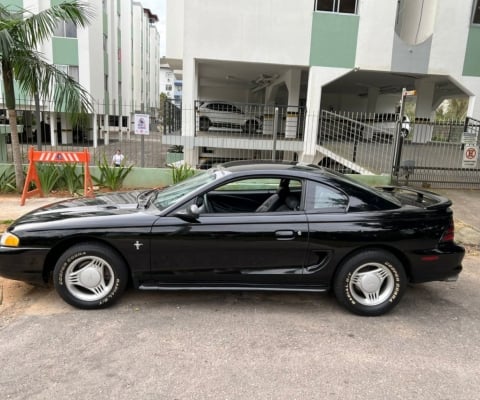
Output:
x=269 y=166
x=300 y=170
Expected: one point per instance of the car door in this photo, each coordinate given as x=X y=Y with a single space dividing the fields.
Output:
x=231 y=248
x=332 y=230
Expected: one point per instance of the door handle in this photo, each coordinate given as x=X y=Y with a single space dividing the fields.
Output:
x=285 y=235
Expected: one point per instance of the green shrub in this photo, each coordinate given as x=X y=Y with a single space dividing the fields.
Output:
x=70 y=179
x=49 y=176
x=7 y=180
x=111 y=177
x=182 y=172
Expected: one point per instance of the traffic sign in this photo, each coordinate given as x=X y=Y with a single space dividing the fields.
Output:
x=470 y=156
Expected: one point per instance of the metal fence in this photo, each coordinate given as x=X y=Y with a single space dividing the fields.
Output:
x=420 y=152
x=414 y=152
x=229 y=131
x=108 y=129
x=434 y=157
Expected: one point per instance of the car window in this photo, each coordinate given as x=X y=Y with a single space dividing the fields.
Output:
x=324 y=198
x=253 y=195
x=174 y=193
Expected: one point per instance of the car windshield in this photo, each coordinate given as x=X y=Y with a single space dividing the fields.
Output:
x=174 y=193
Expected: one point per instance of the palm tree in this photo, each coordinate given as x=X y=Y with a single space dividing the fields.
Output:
x=21 y=32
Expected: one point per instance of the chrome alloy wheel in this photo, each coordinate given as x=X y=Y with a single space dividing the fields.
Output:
x=371 y=284
x=89 y=278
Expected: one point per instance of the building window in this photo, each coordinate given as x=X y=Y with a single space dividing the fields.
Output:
x=476 y=13
x=113 y=120
x=65 y=29
x=337 y=6
x=70 y=70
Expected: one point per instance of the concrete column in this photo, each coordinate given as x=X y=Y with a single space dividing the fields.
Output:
x=424 y=110
x=373 y=93
x=95 y=130
x=318 y=77
x=106 y=130
x=269 y=110
x=189 y=117
x=64 y=133
x=53 y=128
x=293 y=85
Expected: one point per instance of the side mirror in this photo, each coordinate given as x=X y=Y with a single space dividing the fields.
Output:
x=190 y=214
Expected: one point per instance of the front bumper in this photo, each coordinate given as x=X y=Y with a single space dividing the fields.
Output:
x=23 y=264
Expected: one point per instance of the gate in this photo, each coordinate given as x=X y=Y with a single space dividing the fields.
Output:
x=440 y=155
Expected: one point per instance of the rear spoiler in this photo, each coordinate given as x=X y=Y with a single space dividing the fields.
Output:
x=422 y=198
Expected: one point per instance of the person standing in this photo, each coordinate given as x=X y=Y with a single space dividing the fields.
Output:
x=118 y=158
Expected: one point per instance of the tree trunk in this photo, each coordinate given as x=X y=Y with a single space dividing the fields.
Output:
x=7 y=75
x=17 y=156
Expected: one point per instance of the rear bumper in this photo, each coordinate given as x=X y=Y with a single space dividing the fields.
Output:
x=441 y=264
x=23 y=264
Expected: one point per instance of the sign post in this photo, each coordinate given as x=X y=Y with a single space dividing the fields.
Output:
x=470 y=150
x=142 y=127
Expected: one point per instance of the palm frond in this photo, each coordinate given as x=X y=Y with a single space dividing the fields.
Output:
x=35 y=75
x=37 y=27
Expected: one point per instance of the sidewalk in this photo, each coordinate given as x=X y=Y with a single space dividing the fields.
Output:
x=11 y=209
x=466 y=211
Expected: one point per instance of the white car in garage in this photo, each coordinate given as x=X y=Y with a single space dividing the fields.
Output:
x=227 y=116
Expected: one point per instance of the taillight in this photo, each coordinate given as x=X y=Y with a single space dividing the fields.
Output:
x=449 y=234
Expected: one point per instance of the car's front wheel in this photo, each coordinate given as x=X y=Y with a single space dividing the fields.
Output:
x=370 y=283
x=90 y=276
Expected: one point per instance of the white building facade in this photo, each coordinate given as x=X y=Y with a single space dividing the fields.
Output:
x=116 y=58
x=354 y=55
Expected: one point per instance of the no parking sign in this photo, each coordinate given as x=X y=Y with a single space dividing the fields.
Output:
x=470 y=156
x=142 y=124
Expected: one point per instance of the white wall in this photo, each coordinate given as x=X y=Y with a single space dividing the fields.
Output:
x=175 y=29
x=90 y=46
x=375 y=34
x=270 y=31
x=126 y=54
x=450 y=39
x=137 y=21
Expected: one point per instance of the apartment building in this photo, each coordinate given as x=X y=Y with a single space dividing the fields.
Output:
x=116 y=58
x=352 y=55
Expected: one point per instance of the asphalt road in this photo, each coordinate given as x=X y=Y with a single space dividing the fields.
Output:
x=216 y=345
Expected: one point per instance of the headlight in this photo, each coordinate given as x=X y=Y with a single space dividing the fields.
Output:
x=10 y=240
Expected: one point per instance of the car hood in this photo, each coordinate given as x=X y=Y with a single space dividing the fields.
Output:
x=102 y=205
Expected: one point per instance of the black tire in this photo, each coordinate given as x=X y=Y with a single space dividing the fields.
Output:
x=370 y=283
x=251 y=127
x=90 y=276
x=204 y=124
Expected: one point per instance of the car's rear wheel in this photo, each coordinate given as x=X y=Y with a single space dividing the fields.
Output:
x=370 y=283
x=90 y=275
x=251 y=126
x=204 y=124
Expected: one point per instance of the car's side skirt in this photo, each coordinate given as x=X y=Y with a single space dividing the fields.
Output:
x=236 y=287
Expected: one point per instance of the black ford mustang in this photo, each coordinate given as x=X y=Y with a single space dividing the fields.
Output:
x=240 y=226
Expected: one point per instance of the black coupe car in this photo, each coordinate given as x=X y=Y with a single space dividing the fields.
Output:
x=240 y=226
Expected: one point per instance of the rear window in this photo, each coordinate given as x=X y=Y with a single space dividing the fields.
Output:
x=323 y=198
